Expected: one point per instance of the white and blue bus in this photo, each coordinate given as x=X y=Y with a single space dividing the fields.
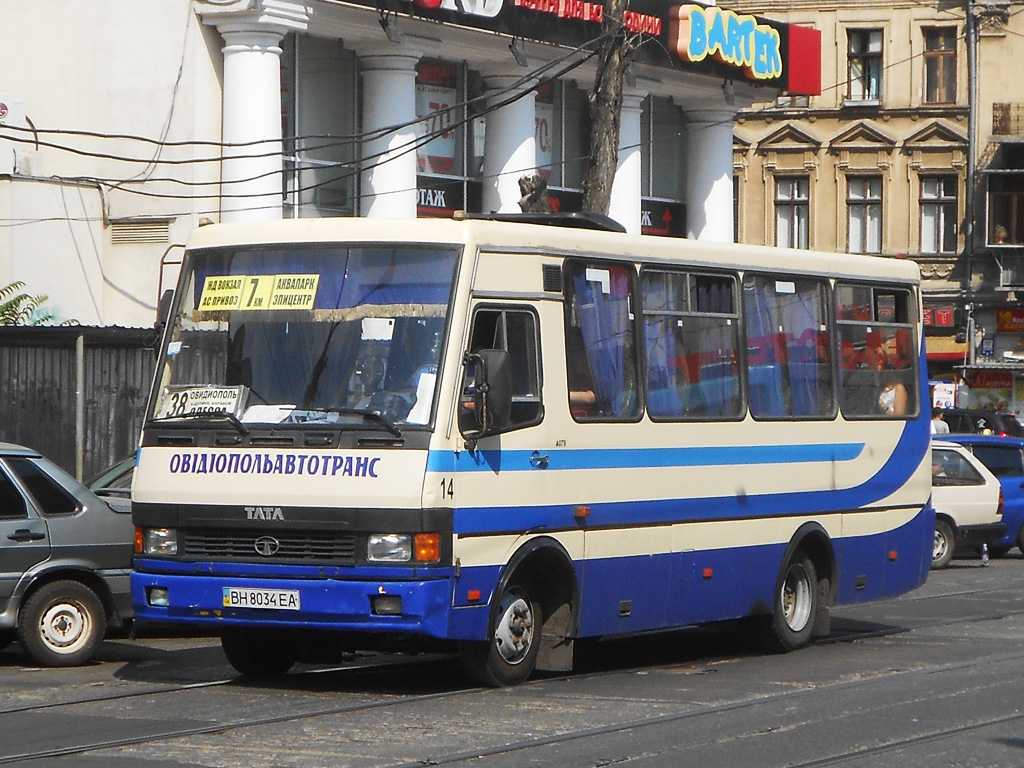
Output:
x=497 y=437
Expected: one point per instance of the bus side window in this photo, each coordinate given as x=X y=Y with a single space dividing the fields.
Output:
x=875 y=332
x=515 y=331
x=600 y=330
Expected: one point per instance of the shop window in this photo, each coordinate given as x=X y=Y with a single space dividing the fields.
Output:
x=940 y=65
x=562 y=134
x=864 y=65
x=1006 y=209
x=938 y=214
x=318 y=110
x=864 y=214
x=663 y=149
x=440 y=136
x=792 y=212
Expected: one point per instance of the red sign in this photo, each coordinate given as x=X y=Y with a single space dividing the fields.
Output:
x=938 y=317
x=990 y=379
x=1010 y=321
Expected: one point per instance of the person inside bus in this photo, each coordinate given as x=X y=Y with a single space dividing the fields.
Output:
x=893 y=397
x=582 y=397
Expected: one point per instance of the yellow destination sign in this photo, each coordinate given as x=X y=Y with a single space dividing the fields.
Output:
x=258 y=292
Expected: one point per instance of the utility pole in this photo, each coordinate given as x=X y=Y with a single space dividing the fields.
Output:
x=605 y=103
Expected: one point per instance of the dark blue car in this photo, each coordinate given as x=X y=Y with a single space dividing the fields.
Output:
x=1004 y=456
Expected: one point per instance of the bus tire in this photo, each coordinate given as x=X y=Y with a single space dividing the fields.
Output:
x=794 y=606
x=260 y=653
x=945 y=543
x=62 y=624
x=510 y=655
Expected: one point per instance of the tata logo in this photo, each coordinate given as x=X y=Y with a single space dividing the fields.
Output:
x=488 y=8
x=264 y=513
x=266 y=546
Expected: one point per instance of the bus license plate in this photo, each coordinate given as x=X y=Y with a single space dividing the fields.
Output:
x=272 y=599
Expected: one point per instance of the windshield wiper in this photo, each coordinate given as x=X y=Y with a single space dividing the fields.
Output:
x=391 y=427
x=229 y=417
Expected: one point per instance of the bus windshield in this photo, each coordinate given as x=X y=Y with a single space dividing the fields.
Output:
x=331 y=334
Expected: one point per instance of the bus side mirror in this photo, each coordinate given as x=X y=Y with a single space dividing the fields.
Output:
x=487 y=394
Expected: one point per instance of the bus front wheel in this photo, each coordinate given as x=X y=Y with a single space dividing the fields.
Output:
x=262 y=653
x=510 y=655
x=795 y=606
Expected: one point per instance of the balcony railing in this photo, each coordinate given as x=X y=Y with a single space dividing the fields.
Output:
x=1007 y=119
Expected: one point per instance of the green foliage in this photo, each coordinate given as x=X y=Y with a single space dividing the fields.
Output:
x=21 y=309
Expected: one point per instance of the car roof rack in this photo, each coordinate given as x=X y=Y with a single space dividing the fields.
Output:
x=596 y=221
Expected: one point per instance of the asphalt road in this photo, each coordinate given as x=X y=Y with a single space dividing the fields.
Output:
x=931 y=679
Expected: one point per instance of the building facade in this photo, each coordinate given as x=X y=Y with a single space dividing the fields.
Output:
x=909 y=151
x=123 y=129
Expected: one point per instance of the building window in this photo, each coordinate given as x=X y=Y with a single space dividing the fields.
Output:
x=786 y=101
x=1006 y=209
x=938 y=214
x=940 y=65
x=864 y=209
x=792 y=212
x=864 y=60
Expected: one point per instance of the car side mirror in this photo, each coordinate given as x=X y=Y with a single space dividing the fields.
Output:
x=487 y=394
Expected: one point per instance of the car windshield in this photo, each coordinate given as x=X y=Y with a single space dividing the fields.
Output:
x=324 y=333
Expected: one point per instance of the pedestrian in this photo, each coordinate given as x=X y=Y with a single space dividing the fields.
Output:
x=939 y=425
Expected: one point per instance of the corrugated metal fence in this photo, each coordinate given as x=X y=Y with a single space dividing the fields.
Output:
x=75 y=394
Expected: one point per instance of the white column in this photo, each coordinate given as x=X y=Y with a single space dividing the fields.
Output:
x=709 y=175
x=510 y=146
x=251 y=175
x=389 y=161
x=625 y=205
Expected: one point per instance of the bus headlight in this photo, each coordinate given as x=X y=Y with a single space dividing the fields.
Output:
x=403 y=547
x=160 y=541
x=389 y=548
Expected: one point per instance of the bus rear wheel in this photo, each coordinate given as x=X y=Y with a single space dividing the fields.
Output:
x=794 y=607
x=510 y=655
x=262 y=653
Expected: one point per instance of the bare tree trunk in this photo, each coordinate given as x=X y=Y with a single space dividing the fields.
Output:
x=605 y=103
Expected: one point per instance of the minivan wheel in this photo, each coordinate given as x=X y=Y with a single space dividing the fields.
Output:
x=62 y=624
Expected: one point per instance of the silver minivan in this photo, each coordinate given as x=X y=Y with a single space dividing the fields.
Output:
x=65 y=561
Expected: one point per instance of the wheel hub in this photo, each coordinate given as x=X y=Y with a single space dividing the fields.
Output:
x=513 y=634
x=64 y=627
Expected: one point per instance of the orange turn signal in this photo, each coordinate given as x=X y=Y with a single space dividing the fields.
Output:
x=427 y=547
x=138 y=540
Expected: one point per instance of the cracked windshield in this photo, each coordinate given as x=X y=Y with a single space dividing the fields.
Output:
x=313 y=334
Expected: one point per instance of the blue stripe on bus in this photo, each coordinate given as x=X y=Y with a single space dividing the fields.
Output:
x=904 y=460
x=638 y=458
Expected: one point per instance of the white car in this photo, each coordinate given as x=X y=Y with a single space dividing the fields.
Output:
x=968 y=502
